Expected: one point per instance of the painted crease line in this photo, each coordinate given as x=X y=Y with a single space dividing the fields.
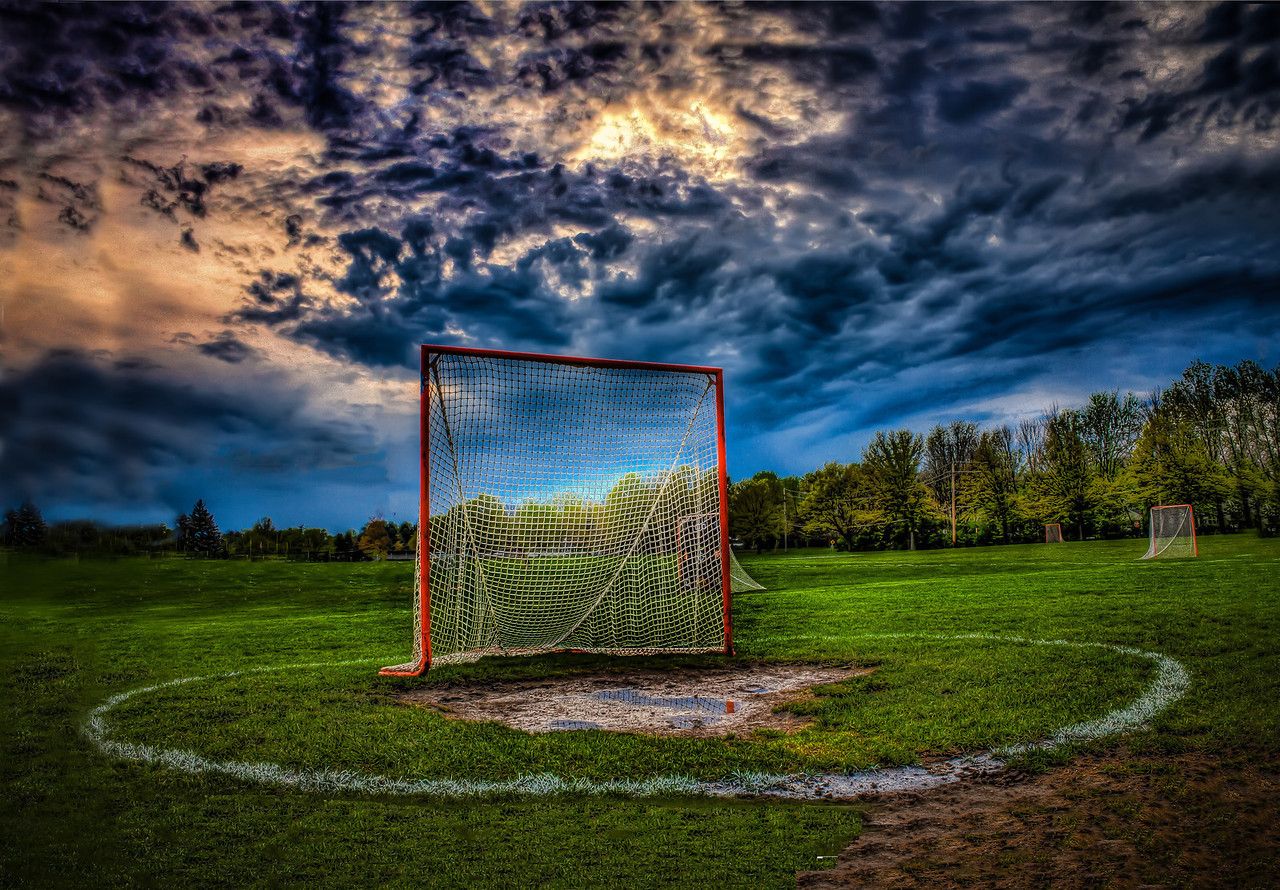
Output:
x=1170 y=684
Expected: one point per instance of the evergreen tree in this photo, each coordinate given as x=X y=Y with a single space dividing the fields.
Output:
x=203 y=536
x=25 y=527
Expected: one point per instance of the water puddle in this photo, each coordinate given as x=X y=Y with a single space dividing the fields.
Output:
x=573 y=724
x=637 y=698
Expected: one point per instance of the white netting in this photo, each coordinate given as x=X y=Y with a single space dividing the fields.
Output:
x=557 y=493
x=697 y=559
x=1053 y=533
x=738 y=577
x=1173 y=532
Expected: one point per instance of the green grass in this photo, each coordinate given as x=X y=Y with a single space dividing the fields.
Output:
x=73 y=633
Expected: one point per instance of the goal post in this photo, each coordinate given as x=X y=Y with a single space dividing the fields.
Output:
x=555 y=504
x=1053 y=533
x=1173 y=532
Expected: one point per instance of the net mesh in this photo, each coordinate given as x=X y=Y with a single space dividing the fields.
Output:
x=1173 y=533
x=570 y=507
x=738 y=577
x=1053 y=533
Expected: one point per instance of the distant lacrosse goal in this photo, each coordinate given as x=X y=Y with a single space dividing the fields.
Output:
x=1173 y=532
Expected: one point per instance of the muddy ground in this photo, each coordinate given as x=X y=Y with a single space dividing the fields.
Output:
x=1112 y=821
x=692 y=702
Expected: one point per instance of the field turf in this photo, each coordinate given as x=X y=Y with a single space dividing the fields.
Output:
x=73 y=633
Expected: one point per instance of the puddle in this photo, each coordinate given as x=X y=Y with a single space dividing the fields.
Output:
x=681 y=703
x=711 y=701
x=574 y=724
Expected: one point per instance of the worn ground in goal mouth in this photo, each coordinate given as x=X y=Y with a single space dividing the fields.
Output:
x=689 y=701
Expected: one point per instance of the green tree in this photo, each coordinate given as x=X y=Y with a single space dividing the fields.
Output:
x=1171 y=464
x=344 y=546
x=1109 y=426
x=837 y=503
x=203 y=536
x=1063 y=484
x=405 y=537
x=991 y=487
x=892 y=465
x=755 y=510
x=262 y=537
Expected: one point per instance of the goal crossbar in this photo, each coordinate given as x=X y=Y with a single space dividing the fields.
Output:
x=551 y=494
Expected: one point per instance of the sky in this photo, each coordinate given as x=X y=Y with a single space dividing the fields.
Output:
x=224 y=229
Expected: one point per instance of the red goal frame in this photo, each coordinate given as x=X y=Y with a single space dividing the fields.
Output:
x=1191 y=514
x=424 y=472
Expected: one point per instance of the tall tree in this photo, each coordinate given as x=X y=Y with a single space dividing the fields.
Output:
x=1066 y=472
x=992 y=486
x=1109 y=426
x=1030 y=437
x=837 y=503
x=1193 y=402
x=203 y=535
x=948 y=451
x=25 y=527
x=892 y=465
x=755 y=511
x=1171 y=464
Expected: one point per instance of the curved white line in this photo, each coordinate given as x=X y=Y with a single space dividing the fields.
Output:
x=1170 y=684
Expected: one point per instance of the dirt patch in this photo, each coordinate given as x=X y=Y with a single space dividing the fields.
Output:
x=1117 y=821
x=710 y=702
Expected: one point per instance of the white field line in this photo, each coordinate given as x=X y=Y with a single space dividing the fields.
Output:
x=1170 y=684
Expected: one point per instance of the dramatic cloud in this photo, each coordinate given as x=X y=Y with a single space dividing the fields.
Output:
x=871 y=215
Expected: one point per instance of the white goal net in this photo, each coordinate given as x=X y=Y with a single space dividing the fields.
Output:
x=699 y=562
x=569 y=504
x=739 y=579
x=1173 y=532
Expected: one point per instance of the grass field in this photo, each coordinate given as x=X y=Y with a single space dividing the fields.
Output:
x=74 y=633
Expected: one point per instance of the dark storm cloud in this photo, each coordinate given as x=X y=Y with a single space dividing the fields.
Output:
x=976 y=99
x=227 y=347
x=78 y=428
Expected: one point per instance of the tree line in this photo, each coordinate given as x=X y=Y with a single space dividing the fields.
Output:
x=1210 y=439
x=196 y=534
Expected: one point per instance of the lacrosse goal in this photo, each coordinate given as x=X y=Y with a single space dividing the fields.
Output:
x=1053 y=533
x=1173 y=532
x=569 y=504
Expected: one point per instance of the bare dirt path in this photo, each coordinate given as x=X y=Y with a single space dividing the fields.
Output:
x=689 y=702
x=1108 y=821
